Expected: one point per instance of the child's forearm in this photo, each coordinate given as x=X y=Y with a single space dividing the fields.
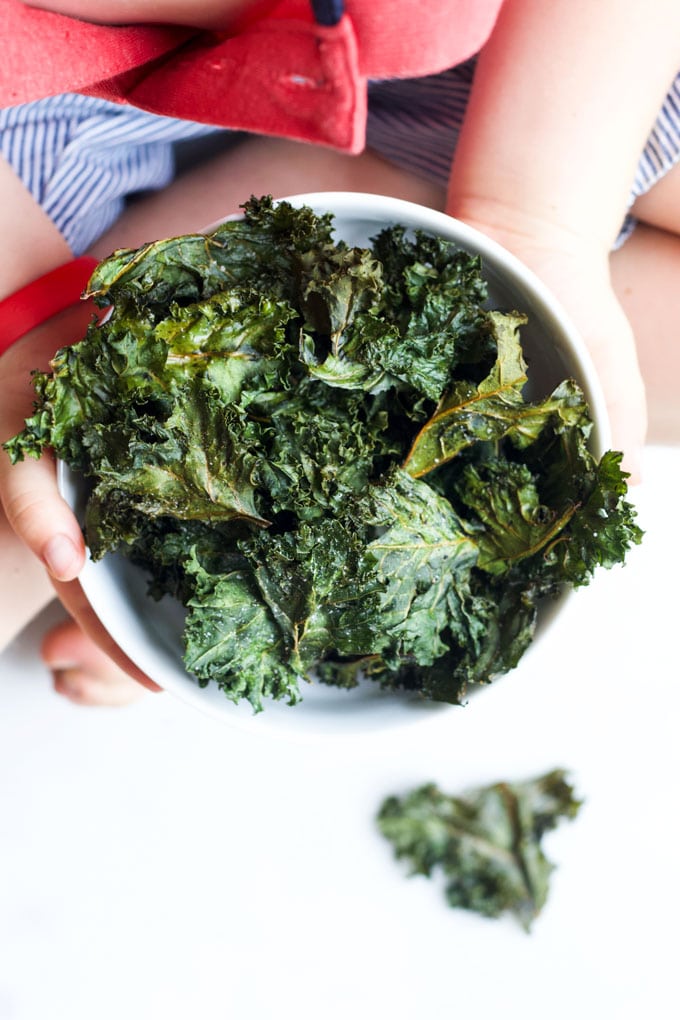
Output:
x=31 y=243
x=564 y=96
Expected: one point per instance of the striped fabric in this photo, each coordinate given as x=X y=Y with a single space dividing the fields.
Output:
x=663 y=146
x=660 y=154
x=415 y=122
x=82 y=157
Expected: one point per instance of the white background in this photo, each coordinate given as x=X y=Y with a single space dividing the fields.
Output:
x=155 y=863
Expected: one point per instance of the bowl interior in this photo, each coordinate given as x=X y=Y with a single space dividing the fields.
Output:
x=150 y=631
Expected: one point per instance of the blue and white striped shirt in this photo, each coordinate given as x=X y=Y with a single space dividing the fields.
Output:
x=82 y=157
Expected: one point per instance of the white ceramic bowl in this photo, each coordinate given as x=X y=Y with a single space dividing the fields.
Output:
x=150 y=632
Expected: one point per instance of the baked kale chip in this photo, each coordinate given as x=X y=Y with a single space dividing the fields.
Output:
x=486 y=843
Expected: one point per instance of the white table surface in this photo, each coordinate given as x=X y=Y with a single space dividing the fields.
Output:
x=155 y=863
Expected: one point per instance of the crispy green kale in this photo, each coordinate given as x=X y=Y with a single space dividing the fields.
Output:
x=485 y=843
x=326 y=453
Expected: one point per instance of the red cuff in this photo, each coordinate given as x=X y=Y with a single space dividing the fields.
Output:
x=43 y=298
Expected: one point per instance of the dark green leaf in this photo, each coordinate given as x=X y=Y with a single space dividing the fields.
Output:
x=486 y=843
x=423 y=560
x=470 y=413
x=232 y=639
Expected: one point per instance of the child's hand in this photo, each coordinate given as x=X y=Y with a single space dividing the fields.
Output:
x=28 y=490
x=549 y=150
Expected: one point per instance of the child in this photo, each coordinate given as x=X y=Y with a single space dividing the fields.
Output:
x=548 y=162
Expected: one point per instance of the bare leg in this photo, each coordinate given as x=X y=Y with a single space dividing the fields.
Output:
x=259 y=166
x=646 y=277
x=660 y=207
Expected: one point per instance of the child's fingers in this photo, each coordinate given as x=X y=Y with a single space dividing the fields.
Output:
x=40 y=517
x=624 y=389
x=73 y=598
x=28 y=490
x=82 y=672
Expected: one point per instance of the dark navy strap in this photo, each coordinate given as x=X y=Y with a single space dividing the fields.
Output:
x=327 y=12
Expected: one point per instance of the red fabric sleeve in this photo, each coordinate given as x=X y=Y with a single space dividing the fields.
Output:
x=46 y=54
x=39 y=300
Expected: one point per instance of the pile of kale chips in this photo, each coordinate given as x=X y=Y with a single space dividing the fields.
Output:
x=325 y=453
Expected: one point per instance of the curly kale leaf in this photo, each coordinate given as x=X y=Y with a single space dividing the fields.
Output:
x=309 y=579
x=433 y=296
x=505 y=514
x=472 y=413
x=192 y=472
x=417 y=315
x=420 y=315
x=264 y=250
x=486 y=843
x=421 y=621
x=320 y=446
x=423 y=560
x=520 y=534
x=90 y=384
x=232 y=639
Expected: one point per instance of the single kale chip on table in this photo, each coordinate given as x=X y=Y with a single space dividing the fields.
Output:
x=485 y=843
x=327 y=454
